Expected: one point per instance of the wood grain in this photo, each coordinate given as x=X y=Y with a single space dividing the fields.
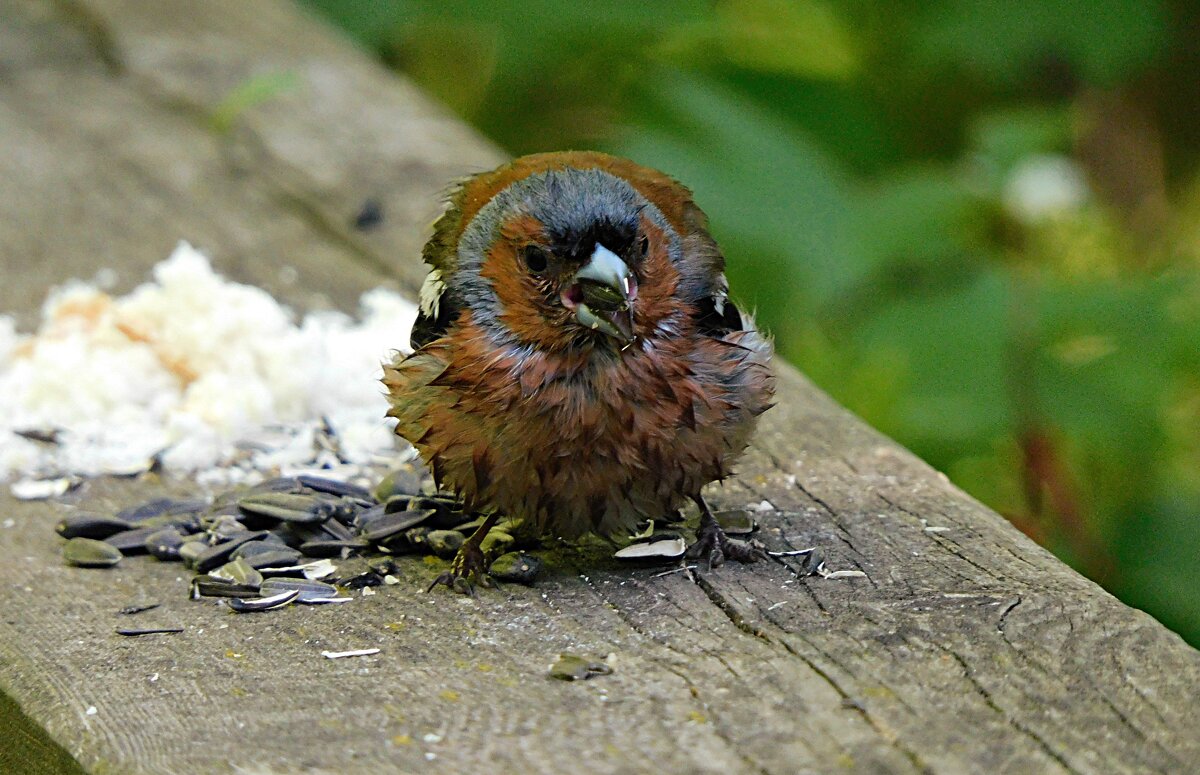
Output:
x=966 y=648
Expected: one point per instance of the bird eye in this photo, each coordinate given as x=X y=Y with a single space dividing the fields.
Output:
x=645 y=246
x=535 y=258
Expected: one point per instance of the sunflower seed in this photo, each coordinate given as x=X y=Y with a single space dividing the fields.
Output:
x=338 y=531
x=191 y=550
x=90 y=553
x=131 y=541
x=267 y=562
x=366 y=517
x=402 y=481
x=444 y=543
x=335 y=487
x=88 y=525
x=160 y=507
x=392 y=524
x=496 y=542
x=287 y=507
x=516 y=567
x=269 y=543
x=218 y=554
x=278 y=484
x=165 y=544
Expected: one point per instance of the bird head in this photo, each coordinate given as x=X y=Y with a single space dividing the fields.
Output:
x=568 y=250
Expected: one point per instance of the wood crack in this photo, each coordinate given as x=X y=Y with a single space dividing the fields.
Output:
x=849 y=702
x=991 y=703
x=96 y=32
x=726 y=607
x=1016 y=601
x=715 y=726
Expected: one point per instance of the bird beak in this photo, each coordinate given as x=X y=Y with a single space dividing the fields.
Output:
x=602 y=295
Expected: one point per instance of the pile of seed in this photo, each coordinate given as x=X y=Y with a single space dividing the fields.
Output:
x=271 y=545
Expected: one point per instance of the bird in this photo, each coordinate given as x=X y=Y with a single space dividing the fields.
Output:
x=576 y=361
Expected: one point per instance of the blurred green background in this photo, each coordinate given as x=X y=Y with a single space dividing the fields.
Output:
x=976 y=224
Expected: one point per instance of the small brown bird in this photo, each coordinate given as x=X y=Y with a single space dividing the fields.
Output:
x=577 y=363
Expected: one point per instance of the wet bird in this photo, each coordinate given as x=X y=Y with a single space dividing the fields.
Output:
x=577 y=363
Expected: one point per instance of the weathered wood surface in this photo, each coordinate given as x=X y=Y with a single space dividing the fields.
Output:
x=966 y=649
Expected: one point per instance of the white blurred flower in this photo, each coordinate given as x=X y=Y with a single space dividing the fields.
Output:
x=1043 y=186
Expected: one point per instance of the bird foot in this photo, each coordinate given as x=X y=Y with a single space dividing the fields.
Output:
x=469 y=564
x=713 y=546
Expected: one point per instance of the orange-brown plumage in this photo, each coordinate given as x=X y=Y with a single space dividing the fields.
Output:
x=576 y=364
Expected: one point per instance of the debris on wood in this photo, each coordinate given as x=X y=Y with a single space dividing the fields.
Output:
x=345 y=654
x=573 y=667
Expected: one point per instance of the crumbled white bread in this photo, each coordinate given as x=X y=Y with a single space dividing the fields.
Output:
x=214 y=378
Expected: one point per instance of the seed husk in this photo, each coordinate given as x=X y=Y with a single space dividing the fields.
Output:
x=211 y=586
x=238 y=571
x=89 y=525
x=368 y=578
x=218 y=554
x=516 y=567
x=308 y=590
x=573 y=667
x=131 y=632
x=271 y=602
x=813 y=562
x=736 y=522
x=278 y=558
x=90 y=553
x=332 y=548
x=655 y=550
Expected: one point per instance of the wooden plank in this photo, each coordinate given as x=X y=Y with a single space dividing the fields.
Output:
x=965 y=648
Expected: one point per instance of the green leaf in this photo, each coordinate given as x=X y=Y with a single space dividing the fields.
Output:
x=804 y=38
x=254 y=91
x=1104 y=39
x=780 y=207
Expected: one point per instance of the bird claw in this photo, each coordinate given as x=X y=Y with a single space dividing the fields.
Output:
x=469 y=564
x=713 y=546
